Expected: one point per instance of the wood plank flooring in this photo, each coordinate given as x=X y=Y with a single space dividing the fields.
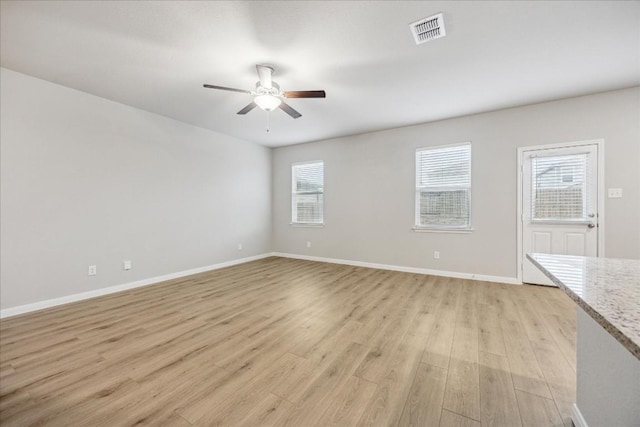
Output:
x=283 y=342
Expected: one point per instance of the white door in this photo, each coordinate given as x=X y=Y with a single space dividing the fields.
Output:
x=559 y=205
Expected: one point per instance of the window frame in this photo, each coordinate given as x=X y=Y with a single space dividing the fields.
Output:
x=295 y=222
x=467 y=228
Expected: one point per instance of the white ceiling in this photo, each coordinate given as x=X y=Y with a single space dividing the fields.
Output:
x=156 y=56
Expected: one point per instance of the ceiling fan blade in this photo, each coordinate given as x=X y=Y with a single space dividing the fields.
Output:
x=227 y=88
x=305 y=94
x=248 y=108
x=289 y=110
x=265 y=73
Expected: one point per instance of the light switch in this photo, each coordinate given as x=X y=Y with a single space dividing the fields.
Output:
x=615 y=193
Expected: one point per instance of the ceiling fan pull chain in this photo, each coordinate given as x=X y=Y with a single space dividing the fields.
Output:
x=267 y=121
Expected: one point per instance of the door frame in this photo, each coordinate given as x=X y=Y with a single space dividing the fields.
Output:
x=599 y=143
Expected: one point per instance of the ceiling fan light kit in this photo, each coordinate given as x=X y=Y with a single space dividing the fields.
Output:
x=268 y=96
x=267 y=102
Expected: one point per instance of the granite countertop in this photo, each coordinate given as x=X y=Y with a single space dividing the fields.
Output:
x=607 y=289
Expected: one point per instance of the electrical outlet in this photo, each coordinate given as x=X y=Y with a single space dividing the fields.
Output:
x=126 y=265
x=93 y=270
x=436 y=254
x=308 y=244
x=239 y=246
x=615 y=193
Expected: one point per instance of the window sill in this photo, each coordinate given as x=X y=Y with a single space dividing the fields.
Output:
x=302 y=224
x=443 y=230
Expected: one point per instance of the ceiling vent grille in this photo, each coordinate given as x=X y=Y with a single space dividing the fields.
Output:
x=428 y=29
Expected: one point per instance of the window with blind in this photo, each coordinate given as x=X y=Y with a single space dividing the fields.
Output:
x=559 y=187
x=307 y=193
x=443 y=187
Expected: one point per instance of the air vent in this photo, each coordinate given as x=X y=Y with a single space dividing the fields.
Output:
x=428 y=29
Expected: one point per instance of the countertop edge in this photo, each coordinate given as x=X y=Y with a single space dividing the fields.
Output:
x=616 y=333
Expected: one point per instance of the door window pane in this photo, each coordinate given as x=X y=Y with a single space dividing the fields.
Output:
x=559 y=187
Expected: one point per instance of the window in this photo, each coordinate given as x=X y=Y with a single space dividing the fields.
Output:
x=307 y=193
x=559 y=192
x=443 y=187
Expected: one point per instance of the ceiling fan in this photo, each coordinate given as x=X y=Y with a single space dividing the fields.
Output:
x=268 y=96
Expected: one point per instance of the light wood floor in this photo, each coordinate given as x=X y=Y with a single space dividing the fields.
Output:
x=299 y=343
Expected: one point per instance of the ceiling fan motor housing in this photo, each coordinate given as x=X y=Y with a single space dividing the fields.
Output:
x=274 y=90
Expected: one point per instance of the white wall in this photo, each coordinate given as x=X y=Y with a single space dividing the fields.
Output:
x=88 y=181
x=369 y=185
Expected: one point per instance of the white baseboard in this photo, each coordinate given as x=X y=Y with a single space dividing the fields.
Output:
x=576 y=417
x=498 y=279
x=14 y=311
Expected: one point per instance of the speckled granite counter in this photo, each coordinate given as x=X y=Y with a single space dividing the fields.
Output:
x=607 y=289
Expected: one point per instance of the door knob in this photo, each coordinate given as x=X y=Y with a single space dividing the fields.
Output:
x=591 y=225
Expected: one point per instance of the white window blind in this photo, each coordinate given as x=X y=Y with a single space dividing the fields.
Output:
x=559 y=187
x=307 y=195
x=443 y=187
